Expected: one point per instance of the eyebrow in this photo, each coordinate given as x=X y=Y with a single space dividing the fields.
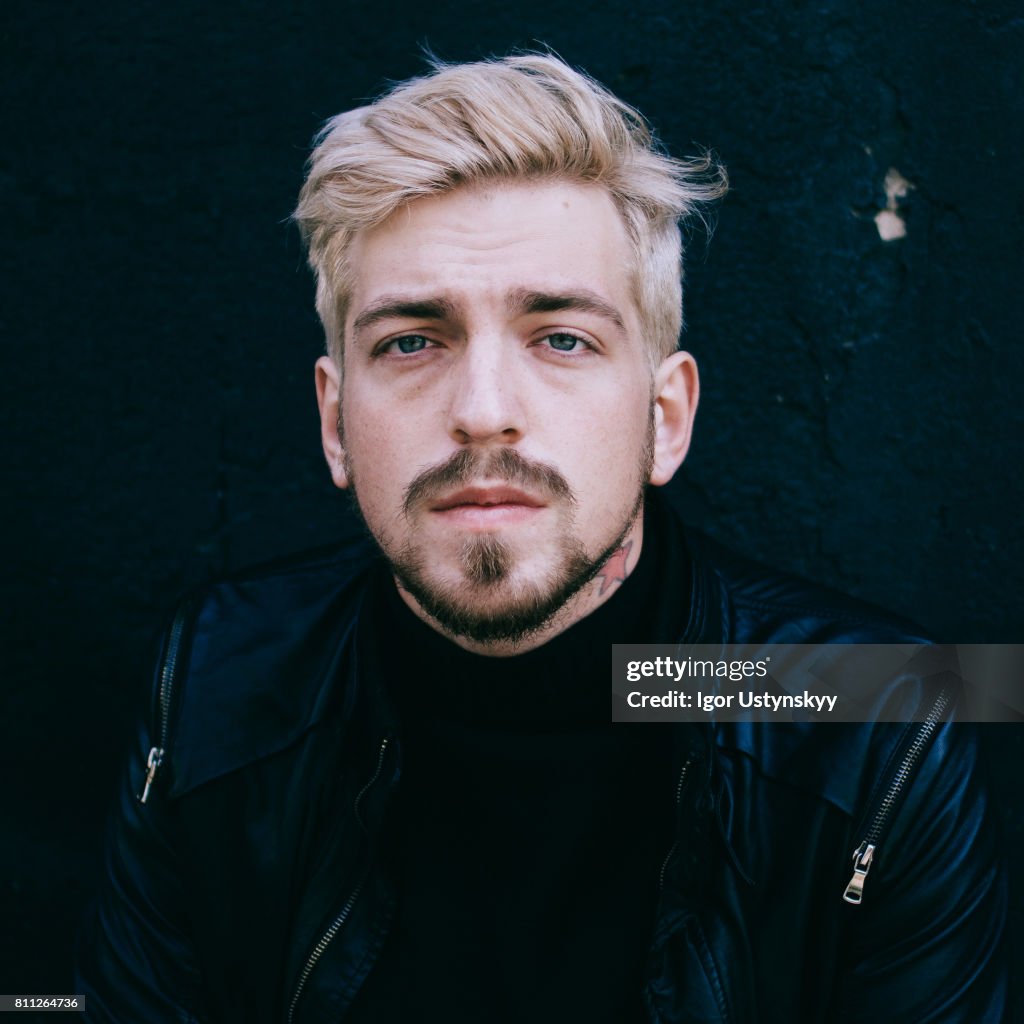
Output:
x=524 y=301
x=520 y=302
x=393 y=307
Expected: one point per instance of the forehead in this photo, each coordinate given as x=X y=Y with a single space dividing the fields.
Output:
x=479 y=244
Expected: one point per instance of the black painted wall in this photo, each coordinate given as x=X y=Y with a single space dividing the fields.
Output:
x=860 y=423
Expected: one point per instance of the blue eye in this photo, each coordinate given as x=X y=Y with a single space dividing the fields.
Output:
x=563 y=342
x=410 y=343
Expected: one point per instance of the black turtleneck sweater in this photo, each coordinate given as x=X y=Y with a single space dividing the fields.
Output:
x=527 y=834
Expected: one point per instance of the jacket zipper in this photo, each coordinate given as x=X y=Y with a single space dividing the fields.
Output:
x=683 y=772
x=336 y=925
x=156 y=754
x=864 y=855
x=708 y=963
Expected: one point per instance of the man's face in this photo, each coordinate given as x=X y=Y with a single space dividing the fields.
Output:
x=496 y=403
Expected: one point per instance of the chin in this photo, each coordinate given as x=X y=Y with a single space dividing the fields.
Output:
x=491 y=599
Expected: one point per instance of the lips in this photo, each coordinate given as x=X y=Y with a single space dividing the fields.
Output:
x=485 y=498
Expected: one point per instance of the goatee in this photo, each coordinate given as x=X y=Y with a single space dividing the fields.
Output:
x=489 y=605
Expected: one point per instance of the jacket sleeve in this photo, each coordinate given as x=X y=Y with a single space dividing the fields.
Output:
x=926 y=944
x=136 y=961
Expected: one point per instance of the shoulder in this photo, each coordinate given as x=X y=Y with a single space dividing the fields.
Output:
x=252 y=607
x=762 y=604
x=754 y=605
x=261 y=658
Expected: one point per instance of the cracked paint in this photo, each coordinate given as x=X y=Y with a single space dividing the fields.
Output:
x=890 y=222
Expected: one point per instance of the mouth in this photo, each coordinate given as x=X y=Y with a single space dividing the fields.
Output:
x=487 y=507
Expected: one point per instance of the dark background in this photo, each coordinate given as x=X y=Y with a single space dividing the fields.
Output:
x=860 y=421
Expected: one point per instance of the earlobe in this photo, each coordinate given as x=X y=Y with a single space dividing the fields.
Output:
x=676 y=392
x=328 y=397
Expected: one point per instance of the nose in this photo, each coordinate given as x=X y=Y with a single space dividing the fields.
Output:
x=484 y=405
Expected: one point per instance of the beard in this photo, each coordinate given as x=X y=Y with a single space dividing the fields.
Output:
x=489 y=604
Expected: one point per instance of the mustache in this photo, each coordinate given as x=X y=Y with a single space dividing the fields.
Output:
x=505 y=464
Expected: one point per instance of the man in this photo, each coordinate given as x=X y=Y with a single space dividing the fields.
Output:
x=384 y=786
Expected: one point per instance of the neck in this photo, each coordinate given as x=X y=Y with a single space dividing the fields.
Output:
x=614 y=571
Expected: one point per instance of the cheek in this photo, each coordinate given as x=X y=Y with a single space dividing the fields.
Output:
x=371 y=451
x=609 y=447
x=386 y=450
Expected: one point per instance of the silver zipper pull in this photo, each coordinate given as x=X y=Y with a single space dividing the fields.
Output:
x=861 y=866
x=156 y=758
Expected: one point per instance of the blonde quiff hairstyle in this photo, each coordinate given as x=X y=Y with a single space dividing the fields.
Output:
x=527 y=117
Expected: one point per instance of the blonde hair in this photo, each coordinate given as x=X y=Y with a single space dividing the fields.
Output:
x=523 y=117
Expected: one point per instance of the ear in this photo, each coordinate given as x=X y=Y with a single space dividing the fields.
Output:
x=676 y=392
x=328 y=396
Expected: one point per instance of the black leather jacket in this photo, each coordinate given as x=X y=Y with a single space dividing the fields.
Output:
x=246 y=888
